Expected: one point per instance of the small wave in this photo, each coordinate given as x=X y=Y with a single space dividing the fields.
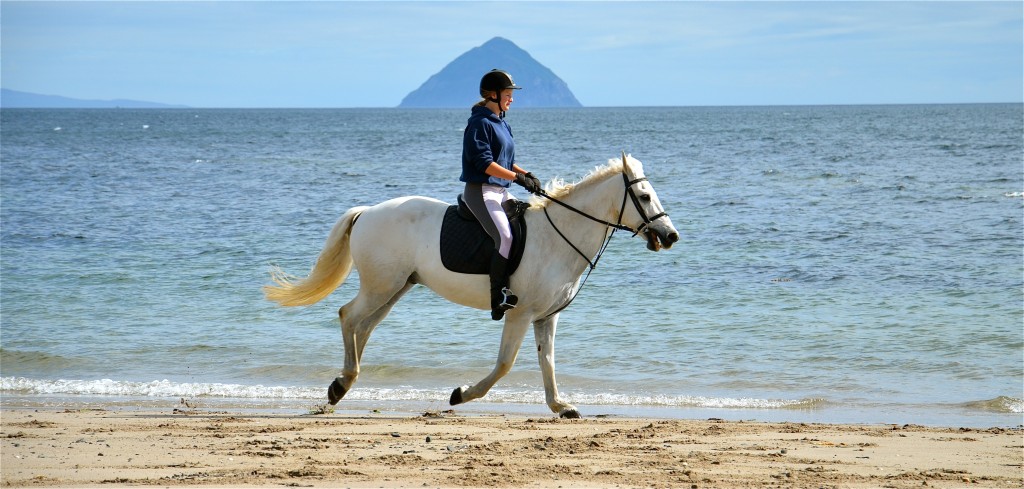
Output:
x=39 y=361
x=694 y=401
x=168 y=389
x=1014 y=195
x=1001 y=404
x=157 y=388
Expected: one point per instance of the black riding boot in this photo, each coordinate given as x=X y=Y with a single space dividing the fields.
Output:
x=502 y=299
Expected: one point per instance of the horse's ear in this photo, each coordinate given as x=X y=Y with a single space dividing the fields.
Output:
x=623 y=161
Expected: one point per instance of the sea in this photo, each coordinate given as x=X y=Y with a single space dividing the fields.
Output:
x=839 y=264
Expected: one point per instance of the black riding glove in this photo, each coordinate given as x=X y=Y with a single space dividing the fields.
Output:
x=529 y=182
x=536 y=181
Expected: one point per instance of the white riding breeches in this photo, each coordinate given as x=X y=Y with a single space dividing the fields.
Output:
x=494 y=196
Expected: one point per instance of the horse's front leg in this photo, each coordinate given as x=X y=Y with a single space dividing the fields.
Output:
x=544 y=332
x=511 y=339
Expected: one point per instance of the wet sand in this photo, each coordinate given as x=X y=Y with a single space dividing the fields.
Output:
x=104 y=448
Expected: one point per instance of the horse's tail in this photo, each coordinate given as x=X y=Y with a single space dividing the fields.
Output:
x=330 y=271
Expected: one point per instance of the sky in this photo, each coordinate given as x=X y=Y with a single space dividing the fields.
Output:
x=371 y=54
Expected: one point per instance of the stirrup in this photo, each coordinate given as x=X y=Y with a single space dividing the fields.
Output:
x=508 y=299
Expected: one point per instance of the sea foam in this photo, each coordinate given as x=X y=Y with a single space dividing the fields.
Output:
x=170 y=390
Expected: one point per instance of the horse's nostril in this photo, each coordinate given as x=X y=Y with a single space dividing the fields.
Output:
x=673 y=237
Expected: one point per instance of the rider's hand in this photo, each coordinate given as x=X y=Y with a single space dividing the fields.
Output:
x=529 y=182
x=536 y=181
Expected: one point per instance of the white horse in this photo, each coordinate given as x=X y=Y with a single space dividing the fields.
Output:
x=395 y=245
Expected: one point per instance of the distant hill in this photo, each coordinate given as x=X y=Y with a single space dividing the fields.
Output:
x=458 y=84
x=13 y=99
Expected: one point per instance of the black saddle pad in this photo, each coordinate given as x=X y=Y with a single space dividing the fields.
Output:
x=467 y=248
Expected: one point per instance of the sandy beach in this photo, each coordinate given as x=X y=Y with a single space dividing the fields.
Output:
x=103 y=448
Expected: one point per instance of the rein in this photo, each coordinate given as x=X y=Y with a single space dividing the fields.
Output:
x=616 y=226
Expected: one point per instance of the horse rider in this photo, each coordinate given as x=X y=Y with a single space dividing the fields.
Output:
x=488 y=169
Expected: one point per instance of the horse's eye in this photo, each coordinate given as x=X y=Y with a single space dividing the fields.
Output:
x=645 y=197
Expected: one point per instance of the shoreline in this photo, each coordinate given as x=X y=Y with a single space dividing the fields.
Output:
x=939 y=416
x=243 y=448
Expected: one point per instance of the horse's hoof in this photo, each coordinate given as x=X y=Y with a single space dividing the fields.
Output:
x=570 y=414
x=336 y=391
x=456 y=398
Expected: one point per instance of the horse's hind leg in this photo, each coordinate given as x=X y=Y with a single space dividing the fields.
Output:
x=358 y=319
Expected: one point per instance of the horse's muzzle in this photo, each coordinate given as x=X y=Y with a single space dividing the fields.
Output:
x=659 y=237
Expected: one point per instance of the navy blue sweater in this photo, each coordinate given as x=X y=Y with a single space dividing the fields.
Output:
x=487 y=138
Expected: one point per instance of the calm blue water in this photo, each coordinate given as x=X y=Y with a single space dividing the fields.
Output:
x=851 y=263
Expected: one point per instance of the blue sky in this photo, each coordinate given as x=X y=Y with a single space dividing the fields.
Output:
x=371 y=54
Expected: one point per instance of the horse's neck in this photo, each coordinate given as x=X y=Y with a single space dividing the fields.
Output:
x=601 y=200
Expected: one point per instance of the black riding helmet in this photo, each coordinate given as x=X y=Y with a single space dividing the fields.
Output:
x=495 y=81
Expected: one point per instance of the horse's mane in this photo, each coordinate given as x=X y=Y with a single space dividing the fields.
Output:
x=558 y=189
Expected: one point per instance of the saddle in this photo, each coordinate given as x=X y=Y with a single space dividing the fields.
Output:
x=467 y=248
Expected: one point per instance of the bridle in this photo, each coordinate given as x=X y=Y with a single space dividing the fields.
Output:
x=617 y=225
x=636 y=203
